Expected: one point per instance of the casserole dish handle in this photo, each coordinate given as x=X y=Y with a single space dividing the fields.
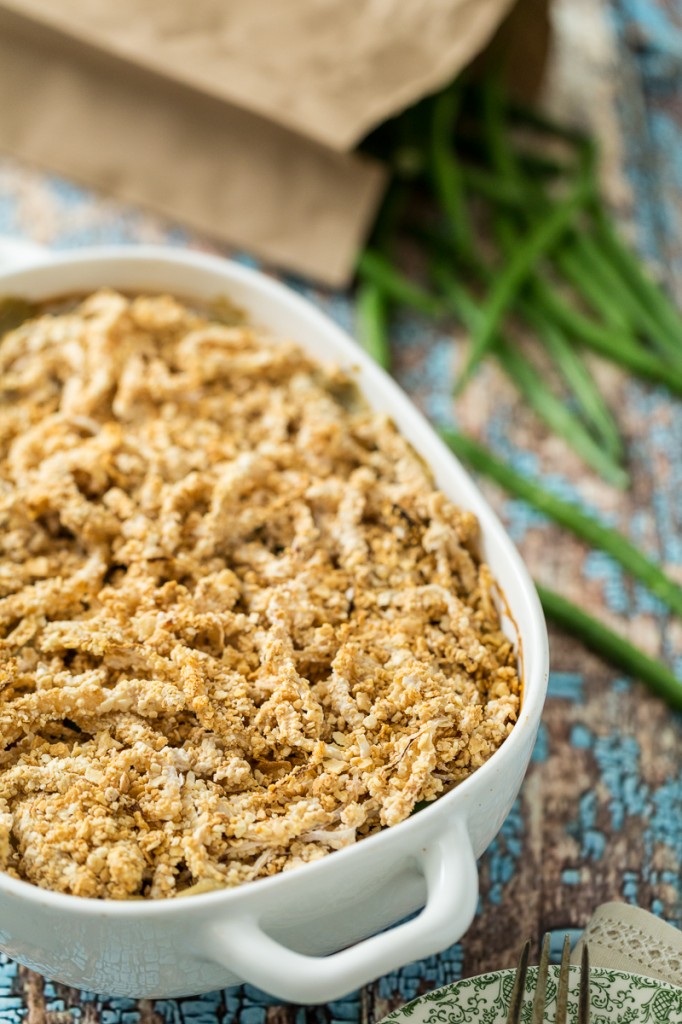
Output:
x=449 y=868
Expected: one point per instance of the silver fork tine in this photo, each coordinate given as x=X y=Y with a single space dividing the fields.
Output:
x=584 y=993
x=541 y=985
x=516 y=1001
x=562 y=991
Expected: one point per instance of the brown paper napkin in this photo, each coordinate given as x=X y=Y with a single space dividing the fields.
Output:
x=233 y=118
x=327 y=69
x=626 y=938
x=212 y=166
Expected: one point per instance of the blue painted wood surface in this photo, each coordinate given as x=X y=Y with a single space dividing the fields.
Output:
x=600 y=813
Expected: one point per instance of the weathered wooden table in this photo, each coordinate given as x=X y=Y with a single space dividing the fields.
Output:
x=600 y=812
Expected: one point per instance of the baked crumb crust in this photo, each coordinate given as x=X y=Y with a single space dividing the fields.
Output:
x=240 y=628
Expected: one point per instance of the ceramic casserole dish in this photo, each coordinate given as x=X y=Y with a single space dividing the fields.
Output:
x=313 y=934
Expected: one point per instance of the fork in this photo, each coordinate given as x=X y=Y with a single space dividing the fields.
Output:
x=540 y=995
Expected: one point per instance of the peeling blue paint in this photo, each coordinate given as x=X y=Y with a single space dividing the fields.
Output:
x=567 y=685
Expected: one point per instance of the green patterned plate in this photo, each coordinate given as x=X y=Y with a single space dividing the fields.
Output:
x=615 y=998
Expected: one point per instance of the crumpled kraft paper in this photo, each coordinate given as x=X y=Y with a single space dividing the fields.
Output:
x=233 y=118
x=213 y=167
x=327 y=69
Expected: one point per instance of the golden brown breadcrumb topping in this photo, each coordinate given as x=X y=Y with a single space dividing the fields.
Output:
x=239 y=628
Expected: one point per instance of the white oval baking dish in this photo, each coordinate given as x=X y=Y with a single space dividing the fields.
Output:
x=302 y=935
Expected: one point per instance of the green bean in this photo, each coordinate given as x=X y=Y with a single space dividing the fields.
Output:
x=570 y=516
x=613 y=280
x=561 y=420
x=504 y=160
x=599 y=265
x=579 y=379
x=499 y=112
x=533 y=118
x=388 y=217
x=407 y=157
x=537 y=165
x=542 y=238
x=617 y=346
x=371 y=310
x=624 y=305
x=591 y=287
x=639 y=280
x=592 y=269
x=374 y=267
x=637 y=312
x=566 y=359
x=612 y=647
x=410 y=164
x=594 y=275
x=497 y=190
x=501 y=153
x=445 y=171
x=541 y=166
x=372 y=304
x=531 y=385
x=610 y=259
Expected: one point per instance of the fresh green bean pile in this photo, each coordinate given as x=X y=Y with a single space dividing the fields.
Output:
x=510 y=238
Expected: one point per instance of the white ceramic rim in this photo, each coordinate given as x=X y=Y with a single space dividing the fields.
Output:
x=535 y=651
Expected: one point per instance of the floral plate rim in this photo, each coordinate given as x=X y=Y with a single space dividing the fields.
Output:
x=616 y=997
